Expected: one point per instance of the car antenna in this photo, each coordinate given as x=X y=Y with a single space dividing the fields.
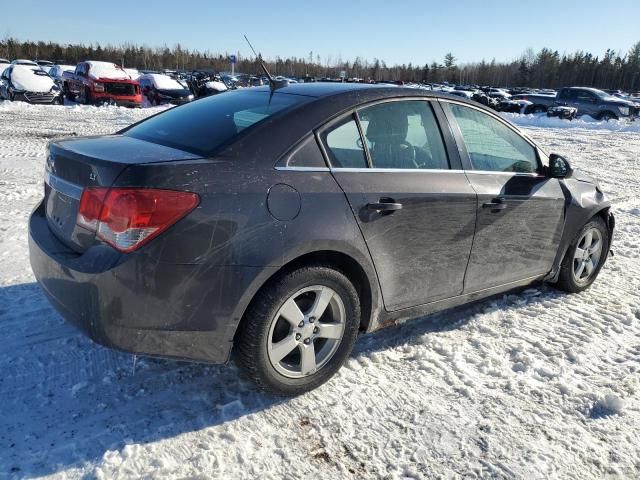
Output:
x=273 y=83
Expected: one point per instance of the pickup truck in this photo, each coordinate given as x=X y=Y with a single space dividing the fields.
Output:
x=588 y=101
x=101 y=82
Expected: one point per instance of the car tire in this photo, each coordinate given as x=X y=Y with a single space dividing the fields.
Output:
x=606 y=116
x=538 y=109
x=86 y=97
x=70 y=96
x=259 y=345
x=575 y=264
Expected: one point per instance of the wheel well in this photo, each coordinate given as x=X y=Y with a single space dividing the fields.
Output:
x=608 y=220
x=338 y=261
x=609 y=112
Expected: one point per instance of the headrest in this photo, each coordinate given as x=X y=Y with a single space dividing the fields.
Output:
x=387 y=124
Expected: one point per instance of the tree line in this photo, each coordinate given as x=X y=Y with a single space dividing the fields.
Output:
x=545 y=68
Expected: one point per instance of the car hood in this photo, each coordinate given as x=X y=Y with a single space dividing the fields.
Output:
x=619 y=101
x=27 y=79
x=580 y=176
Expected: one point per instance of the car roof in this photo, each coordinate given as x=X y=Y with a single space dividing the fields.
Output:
x=21 y=61
x=590 y=89
x=326 y=89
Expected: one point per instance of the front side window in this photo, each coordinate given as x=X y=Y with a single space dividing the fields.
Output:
x=491 y=145
x=584 y=96
x=344 y=145
x=403 y=135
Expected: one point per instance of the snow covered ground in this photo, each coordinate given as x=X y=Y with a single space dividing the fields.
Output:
x=537 y=384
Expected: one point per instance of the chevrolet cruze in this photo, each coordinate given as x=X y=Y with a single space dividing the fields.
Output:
x=278 y=223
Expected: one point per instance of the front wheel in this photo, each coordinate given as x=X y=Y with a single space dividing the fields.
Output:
x=299 y=330
x=606 y=116
x=585 y=257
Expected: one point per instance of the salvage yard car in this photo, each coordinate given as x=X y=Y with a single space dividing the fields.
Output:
x=56 y=72
x=161 y=89
x=278 y=223
x=596 y=103
x=29 y=83
x=101 y=83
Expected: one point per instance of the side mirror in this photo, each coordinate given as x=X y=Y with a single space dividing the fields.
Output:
x=559 y=166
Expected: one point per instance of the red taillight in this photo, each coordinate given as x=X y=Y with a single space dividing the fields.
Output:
x=127 y=218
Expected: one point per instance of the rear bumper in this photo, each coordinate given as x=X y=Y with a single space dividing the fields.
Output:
x=139 y=305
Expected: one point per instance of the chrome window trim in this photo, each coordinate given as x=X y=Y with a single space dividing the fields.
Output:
x=512 y=174
x=406 y=170
x=303 y=169
x=395 y=170
x=63 y=186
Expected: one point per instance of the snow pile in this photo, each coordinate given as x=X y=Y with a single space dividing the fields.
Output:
x=98 y=70
x=31 y=79
x=536 y=384
x=585 y=122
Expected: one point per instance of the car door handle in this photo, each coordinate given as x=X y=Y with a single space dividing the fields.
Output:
x=495 y=204
x=384 y=206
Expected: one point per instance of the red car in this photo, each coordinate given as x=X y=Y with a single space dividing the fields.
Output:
x=101 y=82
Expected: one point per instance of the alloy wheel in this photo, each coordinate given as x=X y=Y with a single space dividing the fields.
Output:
x=587 y=256
x=306 y=331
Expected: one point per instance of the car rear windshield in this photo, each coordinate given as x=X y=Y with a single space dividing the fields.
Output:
x=204 y=126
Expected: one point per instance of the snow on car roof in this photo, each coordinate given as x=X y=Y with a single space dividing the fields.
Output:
x=66 y=68
x=110 y=70
x=164 y=82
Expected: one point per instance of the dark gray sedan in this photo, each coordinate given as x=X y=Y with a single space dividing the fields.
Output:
x=279 y=223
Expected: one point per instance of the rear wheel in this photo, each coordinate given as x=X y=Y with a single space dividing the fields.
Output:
x=585 y=257
x=606 y=116
x=85 y=96
x=538 y=109
x=299 y=330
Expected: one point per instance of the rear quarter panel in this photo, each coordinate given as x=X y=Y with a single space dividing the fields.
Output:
x=234 y=227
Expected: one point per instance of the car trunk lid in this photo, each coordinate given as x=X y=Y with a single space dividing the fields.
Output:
x=75 y=164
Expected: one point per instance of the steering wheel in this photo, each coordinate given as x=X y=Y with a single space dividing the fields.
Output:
x=411 y=153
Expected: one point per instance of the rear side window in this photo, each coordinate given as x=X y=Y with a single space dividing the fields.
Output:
x=344 y=145
x=403 y=135
x=491 y=145
x=206 y=125
x=565 y=94
x=307 y=155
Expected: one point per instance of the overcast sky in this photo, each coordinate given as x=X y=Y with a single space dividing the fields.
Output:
x=397 y=32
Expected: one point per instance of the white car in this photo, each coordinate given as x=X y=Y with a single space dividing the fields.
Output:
x=29 y=83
